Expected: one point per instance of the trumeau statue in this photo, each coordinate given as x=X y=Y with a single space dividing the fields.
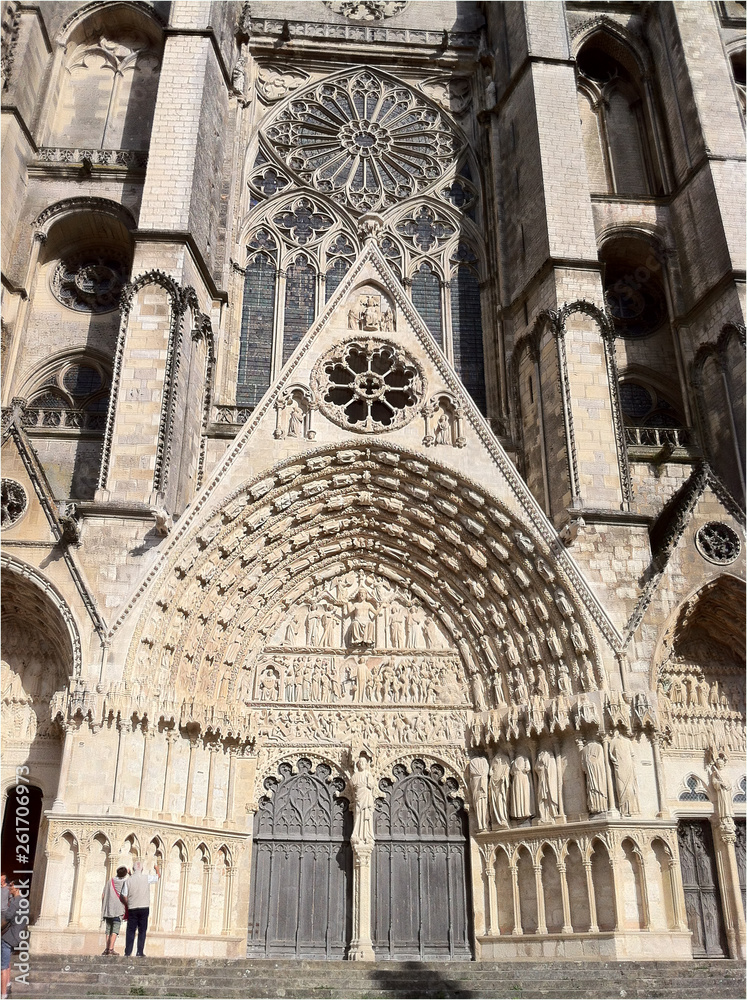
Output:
x=363 y=785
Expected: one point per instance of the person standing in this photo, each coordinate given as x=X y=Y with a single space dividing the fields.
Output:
x=11 y=930
x=136 y=890
x=113 y=908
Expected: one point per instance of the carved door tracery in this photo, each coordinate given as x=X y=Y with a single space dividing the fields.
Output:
x=301 y=867
x=420 y=880
x=739 y=849
x=700 y=882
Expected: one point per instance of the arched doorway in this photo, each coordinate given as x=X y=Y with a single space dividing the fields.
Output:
x=21 y=819
x=301 y=904
x=702 y=893
x=420 y=880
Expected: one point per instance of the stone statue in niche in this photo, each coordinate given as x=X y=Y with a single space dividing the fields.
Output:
x=623 y=768
x=444 y=422
x=363 y=785
x=372 y=313
x=500 y=770
x=522 y=806
x=592 y=762
x=720 y=787
x=293 y=414
x=546 y=769
x=478 y=781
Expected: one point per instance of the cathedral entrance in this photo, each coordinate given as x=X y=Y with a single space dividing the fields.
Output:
x=301 y=867
x=702 y=895
x=419 y=878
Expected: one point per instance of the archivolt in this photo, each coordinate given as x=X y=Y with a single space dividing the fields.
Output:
x=496 y=591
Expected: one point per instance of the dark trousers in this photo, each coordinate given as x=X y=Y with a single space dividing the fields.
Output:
x=137 y=920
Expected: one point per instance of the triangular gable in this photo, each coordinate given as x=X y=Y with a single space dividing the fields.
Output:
x=483 y=457
x=669 y=528
x=20 y=461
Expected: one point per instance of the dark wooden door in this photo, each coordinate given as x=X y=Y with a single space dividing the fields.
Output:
x=700 y=882
x=420 y=875
x=302 y=867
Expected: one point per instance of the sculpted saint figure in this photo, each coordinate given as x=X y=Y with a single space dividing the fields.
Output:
x=592 y=761
x=478 y=781
x=564 y=681
x=397 y=617
x=521 y=788
x=364 y=787
x=362 y=614
x=621 y=756
x=547 y=786
x=500 y=769
x=722 y=788
x=295 y=420
x=478 y=692
x=443 y=430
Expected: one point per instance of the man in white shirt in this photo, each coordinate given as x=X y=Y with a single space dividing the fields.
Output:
x=136 y=891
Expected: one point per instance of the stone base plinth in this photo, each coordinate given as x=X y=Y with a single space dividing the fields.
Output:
x=71 y=941
x=638 y=946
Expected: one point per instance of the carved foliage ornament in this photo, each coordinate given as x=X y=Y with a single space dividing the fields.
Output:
x=718 y=543
x=14 y=502
x=368 y=385
x=369 y=10
x=365 y=140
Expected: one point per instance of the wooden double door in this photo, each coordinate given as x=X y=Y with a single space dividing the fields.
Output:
x=420 y=884
x=302 y=867
x=702 y=893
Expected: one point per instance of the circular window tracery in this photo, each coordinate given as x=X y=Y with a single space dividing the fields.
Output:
x=718 y=543
x=368 y=385
x=364 y=140
x=13 y=502
x=90 y=281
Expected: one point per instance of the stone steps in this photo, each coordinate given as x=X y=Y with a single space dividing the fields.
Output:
x=82 y=977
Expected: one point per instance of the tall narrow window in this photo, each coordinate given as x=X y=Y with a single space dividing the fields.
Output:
x=300 y=301
x=466 y=326
x=340 y=256
x=257 y=320
x=426 y=297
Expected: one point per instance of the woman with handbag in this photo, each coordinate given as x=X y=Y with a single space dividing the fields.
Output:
x=113 y=908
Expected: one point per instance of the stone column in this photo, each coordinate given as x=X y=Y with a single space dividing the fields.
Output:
x=567 y=925
x=190 y=776
x=361 y=947
x=207 y=877
x=231 y=790
x=517 y=931
x=171 y=737
x=67 y=754
x=593 y=927
x=181 y=909
x=148 y=737
x=80 y=877
x=678 y=895
x=50 y=890
x=213 y=749
x=228 y=900
x=493 y=928
x=541 y=919
x=617 y=890
x=661 y=787
x=728 y=874
x=118 y=796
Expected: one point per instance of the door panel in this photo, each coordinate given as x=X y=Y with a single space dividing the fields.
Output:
x=700 y=882
x=419 y=877
x=302 y=867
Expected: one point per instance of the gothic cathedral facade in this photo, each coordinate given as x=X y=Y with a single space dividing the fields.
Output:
x=373 y=549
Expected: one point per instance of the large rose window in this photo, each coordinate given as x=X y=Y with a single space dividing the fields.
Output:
x=366 y=141
x=368 y=385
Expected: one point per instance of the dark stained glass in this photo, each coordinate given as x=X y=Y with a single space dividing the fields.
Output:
x=257 y=316
x=335 y=273
x=426 y=297
x=466 y=326
x=300 y=288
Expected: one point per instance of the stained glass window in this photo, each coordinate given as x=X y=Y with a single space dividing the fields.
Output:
x=466 y=326
x=426 y=297
x=335 y=273
x=300 y=298
x=257 y=319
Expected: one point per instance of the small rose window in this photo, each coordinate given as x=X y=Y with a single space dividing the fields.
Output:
x=368 y=386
